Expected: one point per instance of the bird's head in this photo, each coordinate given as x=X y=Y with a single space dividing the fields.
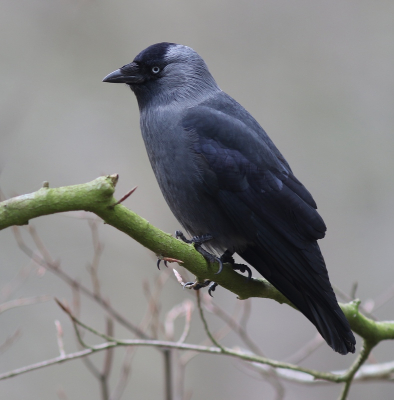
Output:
x=165 y=72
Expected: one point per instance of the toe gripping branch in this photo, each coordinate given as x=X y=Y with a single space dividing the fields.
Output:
x=227 y=257
x=198 y=241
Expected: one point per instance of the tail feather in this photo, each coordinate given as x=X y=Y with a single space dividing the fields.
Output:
x=312 y=294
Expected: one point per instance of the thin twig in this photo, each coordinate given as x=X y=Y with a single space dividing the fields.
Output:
x=171 y=345
x=306 y=350
x=9 y=341
x=125 y=373
x=385 y=297
x=104 y=376
x=23 y=302
x=184 y=309
x=59 y=335
x=167 y=353
x=213 y=340
x=362 y=357
x=239 y=327
x=98 y=248
x=17 y=281
x=233 y=324
x=55 y=268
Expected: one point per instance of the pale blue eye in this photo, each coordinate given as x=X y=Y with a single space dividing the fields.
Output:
x=155 y=70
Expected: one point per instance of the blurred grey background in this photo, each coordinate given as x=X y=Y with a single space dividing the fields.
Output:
x=318 y=76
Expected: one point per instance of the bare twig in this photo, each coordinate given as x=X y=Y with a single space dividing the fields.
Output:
x=104 y=376
x=167 y=353
x=171 y=345
x=208 y=332
x=306 y=350
x=233 y=324
x=59 y=335
x=349 y=375
x=9 y=341
x=55 y=268
x=240 y=328
x=384 y=298
x=17 y=281
x=184 y=309
x=98 y=248
x=124 y=376
x=382 y=372
x=151 y=317
x=23 y=302
x=344 y=296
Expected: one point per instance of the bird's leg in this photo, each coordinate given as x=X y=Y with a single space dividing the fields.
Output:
x=198 y=241
x=227 y=257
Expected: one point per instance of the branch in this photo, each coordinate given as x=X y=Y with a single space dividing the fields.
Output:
x=23 y=302
x=382 y=372
x=97 y=197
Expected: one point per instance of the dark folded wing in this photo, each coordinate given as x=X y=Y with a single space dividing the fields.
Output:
x=273 y=210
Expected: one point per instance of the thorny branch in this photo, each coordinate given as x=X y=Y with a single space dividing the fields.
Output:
x=97 y=197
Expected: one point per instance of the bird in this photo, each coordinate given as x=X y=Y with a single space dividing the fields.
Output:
x=224 y=179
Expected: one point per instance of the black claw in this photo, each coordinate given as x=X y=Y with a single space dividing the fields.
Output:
x=212 y=288
x=220 y=265
x=196 y=285
x=227 y=257
x=159 y=260
x=198 y=241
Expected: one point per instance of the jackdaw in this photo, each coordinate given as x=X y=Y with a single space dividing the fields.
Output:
x=222 y=175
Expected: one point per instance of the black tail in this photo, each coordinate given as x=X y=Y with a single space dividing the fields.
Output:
x=302 y=277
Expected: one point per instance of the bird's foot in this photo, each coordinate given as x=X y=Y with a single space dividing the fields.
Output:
x=198 y=241
x=167 y=260
x=199 y=285
x=227 y=257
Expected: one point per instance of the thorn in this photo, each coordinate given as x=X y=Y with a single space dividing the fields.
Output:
x=127 y=195
x=171 y=260
x=167 y=260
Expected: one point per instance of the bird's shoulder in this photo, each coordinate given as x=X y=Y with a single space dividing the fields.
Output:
x=222 y=122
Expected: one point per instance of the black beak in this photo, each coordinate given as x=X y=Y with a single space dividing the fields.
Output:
x=128 y=74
